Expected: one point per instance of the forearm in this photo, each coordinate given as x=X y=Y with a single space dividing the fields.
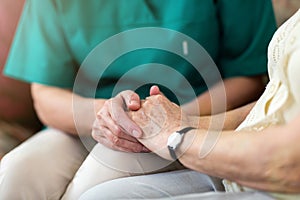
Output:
x=54 y=107
x=259 y=160
x=224 y=121
x=230 y=94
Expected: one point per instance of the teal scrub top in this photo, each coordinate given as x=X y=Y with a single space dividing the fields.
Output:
x=55 y=37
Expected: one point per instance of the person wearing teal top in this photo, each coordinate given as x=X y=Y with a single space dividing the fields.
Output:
x=257 y=160
x=53 y=44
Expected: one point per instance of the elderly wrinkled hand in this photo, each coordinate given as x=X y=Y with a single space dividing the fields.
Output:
x=158 y=118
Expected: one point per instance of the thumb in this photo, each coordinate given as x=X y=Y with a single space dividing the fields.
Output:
x=154 y=90
x=131 y=100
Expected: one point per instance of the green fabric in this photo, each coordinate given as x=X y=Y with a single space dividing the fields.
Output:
x=54 y=37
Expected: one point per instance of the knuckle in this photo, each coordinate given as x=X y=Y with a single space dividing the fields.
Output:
x=96 y=136
x=159 y=97
x=108 y=103
x=115 y=140
x=118 y=131
x=112 y=100
x=94 y=133
x=96 y=124
x=102 y=113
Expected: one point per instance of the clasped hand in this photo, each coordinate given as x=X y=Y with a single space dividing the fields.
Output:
x=126 y=123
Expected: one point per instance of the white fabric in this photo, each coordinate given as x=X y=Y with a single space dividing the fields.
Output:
x=42 y=167
x=182 y=184
x=281 y=100
x=104 y=164
x=54 y=165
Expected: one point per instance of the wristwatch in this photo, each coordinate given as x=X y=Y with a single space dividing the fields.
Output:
x=175 y=139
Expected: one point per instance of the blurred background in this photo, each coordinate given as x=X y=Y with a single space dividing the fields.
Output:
x=284 y=9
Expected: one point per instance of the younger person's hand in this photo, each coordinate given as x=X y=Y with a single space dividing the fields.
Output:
x=113 y=127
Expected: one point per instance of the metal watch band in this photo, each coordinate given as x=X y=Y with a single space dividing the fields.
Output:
x=181 y=132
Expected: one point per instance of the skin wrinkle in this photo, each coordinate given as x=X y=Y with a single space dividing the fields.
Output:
x=273 y=160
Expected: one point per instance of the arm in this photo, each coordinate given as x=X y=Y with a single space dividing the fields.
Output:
x=267 y=160
x=238 y=92
x=284 y=9
x=55 y=108
x=227 y=121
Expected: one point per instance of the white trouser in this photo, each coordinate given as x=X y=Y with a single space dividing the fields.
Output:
x=176 y=185
x=46 y=167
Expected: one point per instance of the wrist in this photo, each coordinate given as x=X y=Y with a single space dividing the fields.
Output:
x=98 y=104
x=189 y=150
x=175 y=141
x=193 y=121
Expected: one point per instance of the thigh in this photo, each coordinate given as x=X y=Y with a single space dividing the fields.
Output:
x=104 y=164
x=161 y=185
x=41 y=167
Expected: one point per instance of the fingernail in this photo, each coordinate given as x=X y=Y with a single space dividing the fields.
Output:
x=135 y=133
x=132 y=101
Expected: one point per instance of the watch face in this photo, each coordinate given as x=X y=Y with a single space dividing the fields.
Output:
x=174 y=140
